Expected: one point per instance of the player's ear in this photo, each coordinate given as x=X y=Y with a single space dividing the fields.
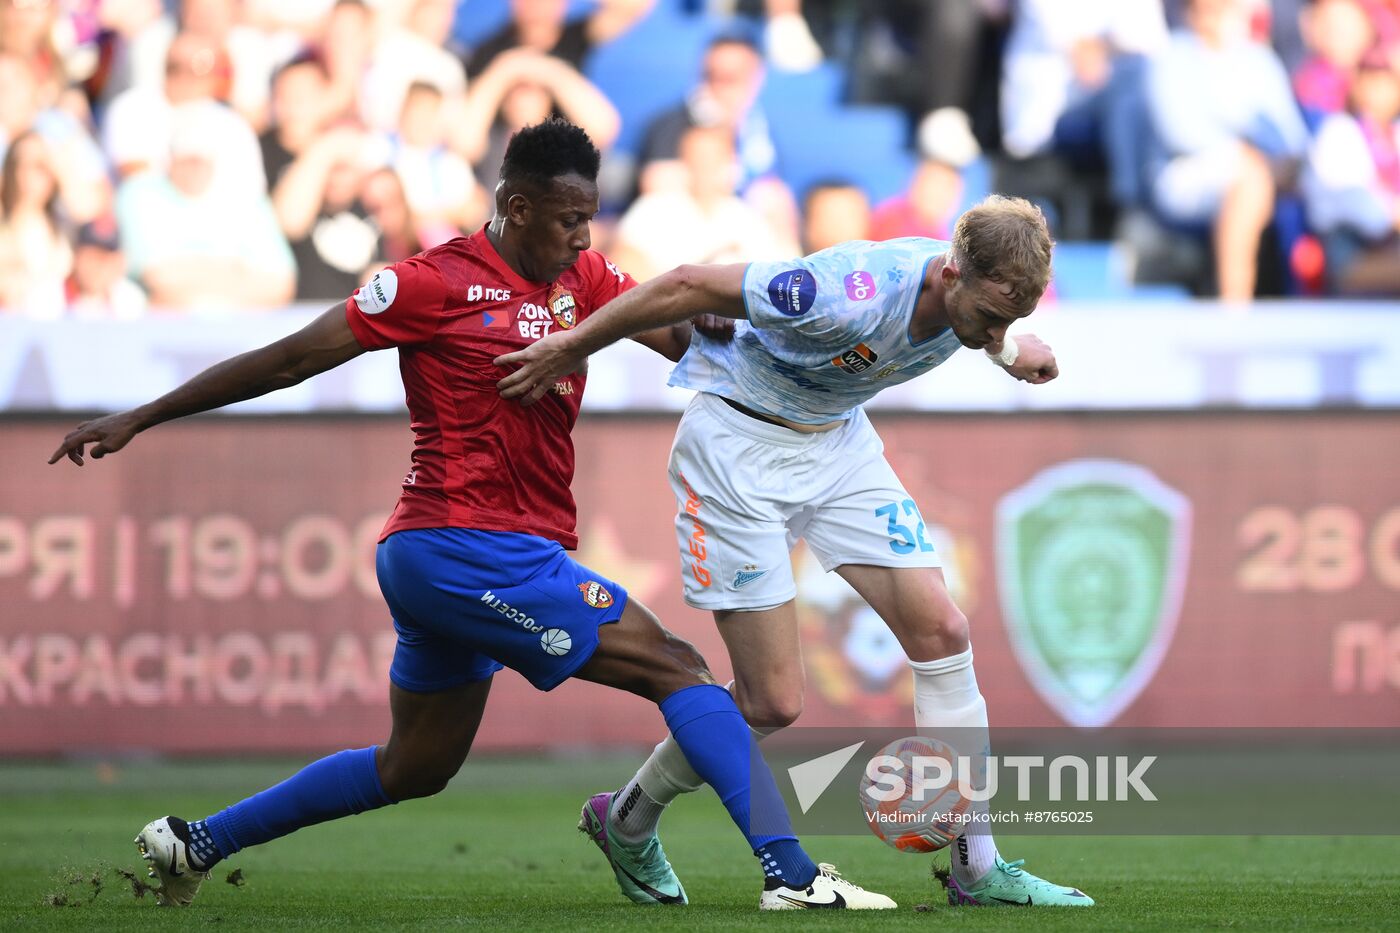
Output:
x=518 y=209
x=950 y=273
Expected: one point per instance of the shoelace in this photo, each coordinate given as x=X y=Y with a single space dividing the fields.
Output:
x=829 y=870
x=654 y=868
x=1013 y=868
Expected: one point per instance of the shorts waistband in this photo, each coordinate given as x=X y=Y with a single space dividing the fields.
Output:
x=722 y=409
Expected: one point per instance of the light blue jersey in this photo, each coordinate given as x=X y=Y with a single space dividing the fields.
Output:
x=824 y=333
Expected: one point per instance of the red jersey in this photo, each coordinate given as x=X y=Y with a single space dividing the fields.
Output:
x=480 y=461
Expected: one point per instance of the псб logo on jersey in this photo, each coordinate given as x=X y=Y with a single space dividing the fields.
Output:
x=481 y=292
x=857 y=359
x=561 y=307
x=595 y=595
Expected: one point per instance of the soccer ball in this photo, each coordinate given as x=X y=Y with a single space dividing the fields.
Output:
x=914 y=819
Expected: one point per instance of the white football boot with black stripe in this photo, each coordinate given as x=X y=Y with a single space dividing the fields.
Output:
x=167 y=849
x=828 y=891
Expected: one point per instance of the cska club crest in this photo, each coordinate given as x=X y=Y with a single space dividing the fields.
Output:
x=561 y=307
x=1092 y=558
x=595 y=594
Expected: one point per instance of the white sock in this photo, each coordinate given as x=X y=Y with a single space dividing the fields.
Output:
x=663 y=777
x=946 y=696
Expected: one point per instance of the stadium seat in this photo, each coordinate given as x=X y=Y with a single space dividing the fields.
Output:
x=649 y=68
x=1090 y=270
x=477 y=20
x=821 y=87
x=867 y=145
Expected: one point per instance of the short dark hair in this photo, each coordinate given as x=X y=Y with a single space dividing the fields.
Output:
x=536 y=155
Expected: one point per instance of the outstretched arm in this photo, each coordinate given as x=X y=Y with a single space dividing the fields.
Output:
x=679 y=295
x=323 y=344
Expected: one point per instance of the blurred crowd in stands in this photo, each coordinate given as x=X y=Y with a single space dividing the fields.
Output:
x=246 y=154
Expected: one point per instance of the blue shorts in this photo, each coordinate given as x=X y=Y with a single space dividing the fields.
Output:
x=467 y=603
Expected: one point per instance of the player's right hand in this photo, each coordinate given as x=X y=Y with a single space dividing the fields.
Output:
x=540 y=364
x=107 y=435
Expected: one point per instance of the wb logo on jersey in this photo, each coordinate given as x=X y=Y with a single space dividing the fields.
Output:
x=857 y=359
x=479 y=293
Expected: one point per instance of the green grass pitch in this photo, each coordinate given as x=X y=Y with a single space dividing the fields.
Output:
x=498 y=850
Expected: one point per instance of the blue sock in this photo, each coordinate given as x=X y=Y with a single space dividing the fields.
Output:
x=718 y=744
x=340 y=785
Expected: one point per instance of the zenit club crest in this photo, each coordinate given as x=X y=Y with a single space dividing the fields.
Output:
x=1092 y=558
x=561 y=307
x=595 y=595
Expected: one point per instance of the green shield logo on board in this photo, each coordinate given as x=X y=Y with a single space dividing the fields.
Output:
x=1091 y=565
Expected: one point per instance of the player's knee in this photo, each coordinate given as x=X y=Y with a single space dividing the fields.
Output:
x=677 y=665
x=407 y=780
x=940 y=635
x=954 y=629
x=771 y=712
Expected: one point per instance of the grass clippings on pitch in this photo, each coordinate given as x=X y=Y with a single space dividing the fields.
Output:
x=499 y=850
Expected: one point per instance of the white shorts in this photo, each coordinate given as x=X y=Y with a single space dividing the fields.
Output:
x=747 y=490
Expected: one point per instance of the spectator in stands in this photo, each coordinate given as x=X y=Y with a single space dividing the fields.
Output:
x=929 y=207
x=98 y=287
x=441 y=189
x=1352 y=185
x=787 y=38
x=1072 y=85
x=1385 y=18
x=303 y=19
x=727 y=96
x=194 y=244
x=833 y=212
x=299 y=114
x=523 y=87
x=384 y=198
x=26 y=31
x=544 y=26
x=347 y=47
x=1229 y=132
x=34 y=252
x=248 y=56
x=138 y=126
x=84 y=190
x=1337 y=33
x=333 y=237
x=704 y=222
x=415 y=51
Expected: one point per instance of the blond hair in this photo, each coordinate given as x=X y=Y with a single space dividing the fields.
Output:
x=1007 y=241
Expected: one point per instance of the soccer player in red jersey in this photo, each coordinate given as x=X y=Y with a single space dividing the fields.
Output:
x=473 y=561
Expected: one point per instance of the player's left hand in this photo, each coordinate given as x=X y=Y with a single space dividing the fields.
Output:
x=1035 y=363
x=540 y=365
x=714 y=326
x=107 y=435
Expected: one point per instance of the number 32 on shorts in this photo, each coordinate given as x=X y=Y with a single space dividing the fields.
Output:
x=902 y=540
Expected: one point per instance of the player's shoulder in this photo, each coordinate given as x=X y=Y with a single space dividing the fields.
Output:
x=596 y=270
x=885 y=251
x=456 y=252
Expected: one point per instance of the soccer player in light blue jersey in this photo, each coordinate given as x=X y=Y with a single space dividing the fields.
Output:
x=775 y=447
x=474 y=562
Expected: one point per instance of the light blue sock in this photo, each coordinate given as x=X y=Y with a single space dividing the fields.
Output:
x=718 y=744
x=340 y=785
